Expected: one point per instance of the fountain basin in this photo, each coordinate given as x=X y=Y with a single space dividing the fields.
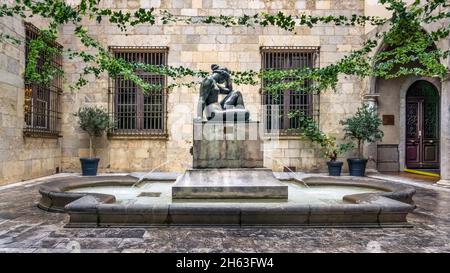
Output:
x=377 y=204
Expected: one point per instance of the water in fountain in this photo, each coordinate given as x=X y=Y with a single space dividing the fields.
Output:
x=150 y=172
x=290 y=170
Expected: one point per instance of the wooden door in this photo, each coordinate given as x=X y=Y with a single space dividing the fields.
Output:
x=422 y=127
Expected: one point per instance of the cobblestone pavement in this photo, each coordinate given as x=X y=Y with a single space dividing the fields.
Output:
x=25 y=228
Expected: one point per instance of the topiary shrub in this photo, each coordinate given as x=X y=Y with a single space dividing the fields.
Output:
x=95 y=121
x=363 y=126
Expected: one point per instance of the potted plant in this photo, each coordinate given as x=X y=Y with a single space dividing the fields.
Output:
x=330 y=149
x=363 y=127
x=95 y=121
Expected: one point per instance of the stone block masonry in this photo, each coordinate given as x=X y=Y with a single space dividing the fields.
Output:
x=197 y=47
x=194 y=46
x=21 y=158
x=227 y=145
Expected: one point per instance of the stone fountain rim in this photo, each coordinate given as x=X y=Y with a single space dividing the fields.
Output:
x=60 y=186
x=396 y=201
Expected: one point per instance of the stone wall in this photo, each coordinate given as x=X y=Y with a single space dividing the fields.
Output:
x=391 y=100
x=195 y=46
x=20 y=158
x=198 y=46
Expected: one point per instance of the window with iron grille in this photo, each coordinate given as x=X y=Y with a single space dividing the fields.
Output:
x=276 y=107
x=137 y=113
x=42 y=102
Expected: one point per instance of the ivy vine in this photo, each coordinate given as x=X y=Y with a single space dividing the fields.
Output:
x=309 y=130
x=405 y=43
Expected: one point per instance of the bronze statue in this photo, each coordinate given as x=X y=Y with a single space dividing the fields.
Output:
x=231 y=108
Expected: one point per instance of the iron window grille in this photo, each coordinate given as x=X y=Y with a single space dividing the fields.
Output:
x=42 y=104
x=276 y=107
x=139 y=114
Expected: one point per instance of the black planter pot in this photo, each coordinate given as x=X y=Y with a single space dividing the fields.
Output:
x=357 y=166
x=334 y=168
x=89 y=166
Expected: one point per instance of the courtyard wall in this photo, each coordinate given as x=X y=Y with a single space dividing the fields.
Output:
x=197 y=47
x=21 y=158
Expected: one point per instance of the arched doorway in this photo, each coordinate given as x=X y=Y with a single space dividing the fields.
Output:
x=422 y=126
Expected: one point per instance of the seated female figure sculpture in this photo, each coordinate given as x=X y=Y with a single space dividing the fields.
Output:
x=231 y=108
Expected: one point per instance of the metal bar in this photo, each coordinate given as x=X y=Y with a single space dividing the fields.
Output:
x=144 y=114
x=42 y=101
x=289 y=100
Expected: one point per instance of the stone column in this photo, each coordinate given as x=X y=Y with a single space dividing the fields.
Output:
x=370 y=149
x=445 y=134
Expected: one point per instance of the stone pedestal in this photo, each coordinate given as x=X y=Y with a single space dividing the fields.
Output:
x=228 y=164
x=227 y=145
x=256 y=183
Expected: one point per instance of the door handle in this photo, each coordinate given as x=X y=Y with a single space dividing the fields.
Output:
x=420 y=133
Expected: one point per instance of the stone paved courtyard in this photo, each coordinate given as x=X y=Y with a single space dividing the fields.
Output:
x=25 y=228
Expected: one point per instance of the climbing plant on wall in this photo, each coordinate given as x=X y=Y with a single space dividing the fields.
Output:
x=405 y=41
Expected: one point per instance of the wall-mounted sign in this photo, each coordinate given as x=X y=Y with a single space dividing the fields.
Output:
x=388 y=119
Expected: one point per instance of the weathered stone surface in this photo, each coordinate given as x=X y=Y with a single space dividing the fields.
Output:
x=55 y=198
x=186 y=214
x=25 y=228
x=228 y=184
x=195 y=46
x=18 y=154
x=94 y=209
x=270 y=214
x=115 y=215
x=227 y=145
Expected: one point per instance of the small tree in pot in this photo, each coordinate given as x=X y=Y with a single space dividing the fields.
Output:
x=363 y=127
x=330 y=149
x=95 y=121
